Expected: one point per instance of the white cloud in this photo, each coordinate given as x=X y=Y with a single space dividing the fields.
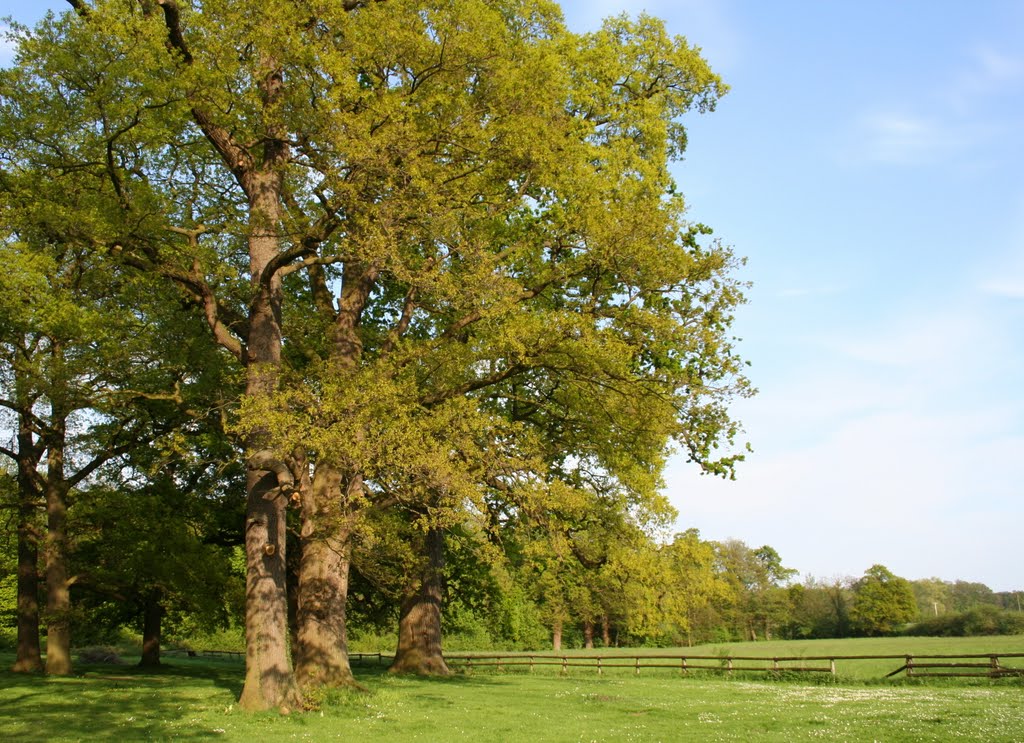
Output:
x=1009 y=286
x=948 y=119
x=895 y=488
x=999 y=66
x=987 y=73
x=904 y=139
x=894 y=442
x=808 y=291
x=923 y=339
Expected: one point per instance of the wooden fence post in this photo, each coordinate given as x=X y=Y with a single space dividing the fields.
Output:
x=599 y=671
x=832 y=666
x=565 y=664
x=638 y=665
x=910 y=665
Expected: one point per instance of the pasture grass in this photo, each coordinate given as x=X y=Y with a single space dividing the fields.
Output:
x=194 y=699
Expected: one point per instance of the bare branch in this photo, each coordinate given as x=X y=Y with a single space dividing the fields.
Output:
x=408 y=308
x=313 y=261
x=476 y=384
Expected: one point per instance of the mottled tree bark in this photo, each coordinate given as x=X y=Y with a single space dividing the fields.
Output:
x=606 y=631
x=321 y=651
x=556 y=635
x=419 y=625
x=321 y=648
x=269 y=681
x=588 y=634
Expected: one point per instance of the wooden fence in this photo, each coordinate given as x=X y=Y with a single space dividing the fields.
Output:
x=981 y=665
x=988 y=665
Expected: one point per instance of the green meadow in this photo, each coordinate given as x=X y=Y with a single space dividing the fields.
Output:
x=194 y=699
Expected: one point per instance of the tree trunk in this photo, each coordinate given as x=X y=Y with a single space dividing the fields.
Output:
x=321 y=649
x=269 y=681
x=556 y=635
x=30 y=451
x=588 y=634
x=29 y=657
x=152 y=616
x=419 y=625
x=58 y=595
x=606 y=631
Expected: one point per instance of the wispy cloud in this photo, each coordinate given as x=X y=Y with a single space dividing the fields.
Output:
x=1010 y=286
x=988 y=72
x=808 y=291
x=904 y=433
x=900 y=138
x=944 y=120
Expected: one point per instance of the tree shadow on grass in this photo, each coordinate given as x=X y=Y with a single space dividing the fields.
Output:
x=114 y=702
x=457 y=677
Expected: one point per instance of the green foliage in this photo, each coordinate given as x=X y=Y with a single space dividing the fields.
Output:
x=977 y=621
x=882 y=602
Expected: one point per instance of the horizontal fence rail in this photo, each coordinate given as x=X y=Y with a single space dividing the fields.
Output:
x=916 y=666
x=979 y=665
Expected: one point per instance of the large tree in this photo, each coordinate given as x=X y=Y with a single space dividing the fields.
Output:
x=384 y=211
x=882 y=601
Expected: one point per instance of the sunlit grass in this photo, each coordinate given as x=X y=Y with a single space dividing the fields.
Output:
x=195 y=699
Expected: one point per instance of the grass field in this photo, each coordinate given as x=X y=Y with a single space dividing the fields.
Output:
x=194 y=699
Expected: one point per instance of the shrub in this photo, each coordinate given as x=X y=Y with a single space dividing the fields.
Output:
x=977 y=621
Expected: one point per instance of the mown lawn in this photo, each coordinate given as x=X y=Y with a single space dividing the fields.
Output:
x=194 y=699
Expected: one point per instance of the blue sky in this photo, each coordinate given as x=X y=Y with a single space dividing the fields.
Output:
x=868 y=163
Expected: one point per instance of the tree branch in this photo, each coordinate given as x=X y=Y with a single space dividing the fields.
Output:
x=267 y=461
x=172 y=19
x=199 y=292
x=395 y=334
x=80 y=8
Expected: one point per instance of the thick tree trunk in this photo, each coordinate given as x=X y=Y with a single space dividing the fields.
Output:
x=152 y=617
x=321 y=648
x=588 y=634
x=58 y=595
x=269 y=681
x=29 y=657
x=30 y=451
x=419 y=625
x=606 y=631
x=556 y=635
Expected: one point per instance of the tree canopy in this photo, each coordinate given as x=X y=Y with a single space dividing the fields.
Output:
x=435 y=249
